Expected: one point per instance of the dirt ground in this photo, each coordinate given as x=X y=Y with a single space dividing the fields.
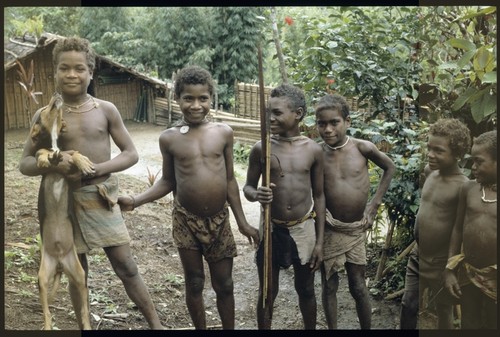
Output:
x=156 y=256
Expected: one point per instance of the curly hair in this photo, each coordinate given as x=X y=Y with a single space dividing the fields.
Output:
x=296 y=97
x=490 y=140
x=457 y=133
x=74 y=44
x=333 y=102
x=193 y=75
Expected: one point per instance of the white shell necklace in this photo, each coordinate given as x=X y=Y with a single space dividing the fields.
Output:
x=483 y=197
x=335 y=148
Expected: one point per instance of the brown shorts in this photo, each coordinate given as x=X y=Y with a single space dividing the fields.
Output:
x=212 y=235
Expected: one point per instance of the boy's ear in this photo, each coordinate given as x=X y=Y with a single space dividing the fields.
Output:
x=348 y=120
x=299 y=112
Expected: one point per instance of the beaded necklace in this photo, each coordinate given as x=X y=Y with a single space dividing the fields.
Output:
x=335 y=148
x=75 y=108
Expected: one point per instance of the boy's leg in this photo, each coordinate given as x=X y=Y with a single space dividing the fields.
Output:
x=222 y=283
x=194 y=276
x=445 y=315
x=329 y=297
x=125 y=267
x=264 y=323
x=304 y=285
x=471 y=307
x=411 y=300
x=358 y=290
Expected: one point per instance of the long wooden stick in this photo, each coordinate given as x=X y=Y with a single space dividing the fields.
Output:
x=266 y=159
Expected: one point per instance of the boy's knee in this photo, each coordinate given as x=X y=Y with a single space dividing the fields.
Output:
x=358 y=291
x=195 y=284
x=409 y=302
x=225 y=287
x=126 y=269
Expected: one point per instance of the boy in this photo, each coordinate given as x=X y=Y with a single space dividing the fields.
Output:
x=90 y=122
x=296 y=198
x=349 y=214
x=448 y=142
x=198 y=168
x=473 y=244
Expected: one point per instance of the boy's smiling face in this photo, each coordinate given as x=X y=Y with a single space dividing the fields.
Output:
x=332 y=126
x=73 y=75
x=439 y=154
x=282 y=117
x=194 y=102
x=484 y=167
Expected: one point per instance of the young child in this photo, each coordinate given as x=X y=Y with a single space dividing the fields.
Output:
x=349 y=213
x=90 y=122
x=198 y=168
x=448 y=142
x=471 y=272
x=296 y=198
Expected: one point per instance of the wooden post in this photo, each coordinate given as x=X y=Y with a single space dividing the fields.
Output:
x=383 y=257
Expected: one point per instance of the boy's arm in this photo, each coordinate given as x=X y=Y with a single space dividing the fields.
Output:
x=449 y=276
x=251 y=190
x=371 y=152
x=317 y=183
x=162 y=186
x=233 y=195
x=128 y=155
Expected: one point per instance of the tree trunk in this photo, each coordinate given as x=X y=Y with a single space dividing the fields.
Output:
x=277 y=42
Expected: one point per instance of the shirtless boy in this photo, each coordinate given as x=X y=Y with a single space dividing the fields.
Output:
x=198 y=168
x=349 y=213
x=471 y=272
x=90 y=122
x=448 y=142
x=297 y=201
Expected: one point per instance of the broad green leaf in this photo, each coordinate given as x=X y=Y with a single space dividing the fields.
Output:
x=462 y=44
x=462 y=99
x=488 y=104
x=490 y=77
x=482 y=58
x=465 y=59
x=448 y=65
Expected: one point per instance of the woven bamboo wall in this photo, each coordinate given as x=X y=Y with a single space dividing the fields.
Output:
x=15 y=114
x=248 y=100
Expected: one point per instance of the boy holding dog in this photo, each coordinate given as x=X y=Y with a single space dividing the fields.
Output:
x=198 y=169
x=90 y=123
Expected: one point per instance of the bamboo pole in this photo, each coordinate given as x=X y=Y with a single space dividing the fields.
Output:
x=267 y=299
x=383 y=257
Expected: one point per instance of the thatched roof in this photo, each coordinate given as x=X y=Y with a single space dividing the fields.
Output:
x=21 y=47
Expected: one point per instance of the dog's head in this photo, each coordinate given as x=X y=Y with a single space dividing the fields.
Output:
x=49 y=115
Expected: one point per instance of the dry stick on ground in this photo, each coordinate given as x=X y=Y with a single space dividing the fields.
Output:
x=400 y=256
x=383 y=257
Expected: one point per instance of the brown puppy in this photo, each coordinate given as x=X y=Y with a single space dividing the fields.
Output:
x=58 y=251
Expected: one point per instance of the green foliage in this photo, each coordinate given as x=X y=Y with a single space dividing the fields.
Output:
x=241 y=152
x=459 y=64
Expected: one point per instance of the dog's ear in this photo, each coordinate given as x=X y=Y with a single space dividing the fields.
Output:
x=35 y=133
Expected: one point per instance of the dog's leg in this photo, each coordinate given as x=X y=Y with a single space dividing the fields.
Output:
x=46 y=275
x=83 y=163
x=77 y=288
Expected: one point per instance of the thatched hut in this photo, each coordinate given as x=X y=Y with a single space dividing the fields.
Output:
x=132 y=92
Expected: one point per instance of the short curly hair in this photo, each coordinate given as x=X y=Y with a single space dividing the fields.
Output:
x=74 y=44
x=490 y=140
x=457 y=133
x=295 y=95
x=334 y=102
x=193 y=75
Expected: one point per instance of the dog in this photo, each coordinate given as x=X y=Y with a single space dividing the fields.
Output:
x=58 y=252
